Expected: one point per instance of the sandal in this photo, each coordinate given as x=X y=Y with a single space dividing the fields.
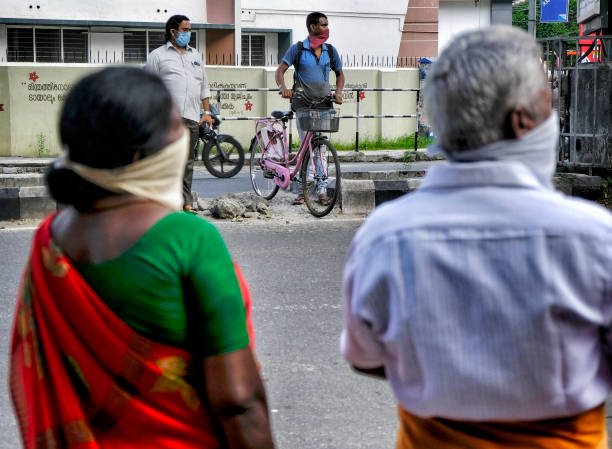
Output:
x=299 y=200
x=190 y=209
x=324 y=199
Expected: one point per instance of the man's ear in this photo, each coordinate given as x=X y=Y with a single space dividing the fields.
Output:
x=518 y=123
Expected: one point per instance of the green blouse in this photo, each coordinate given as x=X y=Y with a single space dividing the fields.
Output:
x=176 y=285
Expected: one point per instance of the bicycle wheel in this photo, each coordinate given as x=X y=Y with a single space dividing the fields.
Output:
x=325 y=178
x=224 y=160
x=261 y=179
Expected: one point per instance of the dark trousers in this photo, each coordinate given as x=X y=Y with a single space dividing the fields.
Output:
x=194 y=134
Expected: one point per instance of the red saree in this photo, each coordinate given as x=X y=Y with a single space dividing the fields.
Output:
x=81 y=378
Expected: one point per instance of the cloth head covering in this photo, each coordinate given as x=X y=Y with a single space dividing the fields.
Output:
x=158 y=177
x=536 y=149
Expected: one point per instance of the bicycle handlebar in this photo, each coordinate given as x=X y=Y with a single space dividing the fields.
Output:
x=331 y=98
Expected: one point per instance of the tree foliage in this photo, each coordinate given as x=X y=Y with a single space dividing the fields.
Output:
x=520 y=13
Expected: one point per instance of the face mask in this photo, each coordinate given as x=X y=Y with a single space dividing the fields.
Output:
x=318 y=39
x=183 y=39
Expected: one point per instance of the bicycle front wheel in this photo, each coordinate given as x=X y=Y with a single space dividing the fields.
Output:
x=261 y=178
x=321 y=177
x=225 y=158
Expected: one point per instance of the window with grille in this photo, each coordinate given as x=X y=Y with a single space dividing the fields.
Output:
x=20 y=45
x=47 y=45
x=75 y=45
x=137 y=44
x=253 y=50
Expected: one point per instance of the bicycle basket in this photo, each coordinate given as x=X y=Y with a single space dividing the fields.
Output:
x=326 y=120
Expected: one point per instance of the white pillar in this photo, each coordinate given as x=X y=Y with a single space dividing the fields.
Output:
x=237 y=31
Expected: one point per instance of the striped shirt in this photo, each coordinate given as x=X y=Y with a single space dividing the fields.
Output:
x=184 y=76
x=485 y=296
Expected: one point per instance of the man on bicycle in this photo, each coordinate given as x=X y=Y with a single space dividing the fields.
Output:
x=312 y=60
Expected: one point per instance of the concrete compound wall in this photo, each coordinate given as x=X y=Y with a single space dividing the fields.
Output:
x=31 y=97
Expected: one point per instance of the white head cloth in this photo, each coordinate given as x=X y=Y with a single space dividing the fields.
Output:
x=158 y=177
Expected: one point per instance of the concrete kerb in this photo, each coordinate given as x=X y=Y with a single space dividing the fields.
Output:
x=23 y=196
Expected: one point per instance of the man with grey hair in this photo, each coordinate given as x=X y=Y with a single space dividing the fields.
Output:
x=485 y=297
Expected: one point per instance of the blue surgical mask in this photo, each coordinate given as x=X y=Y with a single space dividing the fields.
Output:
x=183 y=39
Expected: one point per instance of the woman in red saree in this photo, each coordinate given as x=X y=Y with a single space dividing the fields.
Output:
x=131 y=328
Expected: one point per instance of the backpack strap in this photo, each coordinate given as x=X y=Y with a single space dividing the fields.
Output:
x=298 y=58
x=332 y=58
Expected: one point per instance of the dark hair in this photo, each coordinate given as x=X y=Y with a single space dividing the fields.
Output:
x=313 y=19
x=107 y=118
x=174 y=23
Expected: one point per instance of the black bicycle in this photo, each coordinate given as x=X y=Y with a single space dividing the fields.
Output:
x=222 y=155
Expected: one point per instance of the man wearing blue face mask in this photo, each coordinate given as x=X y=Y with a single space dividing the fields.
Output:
x=485 y=296
x=182 y=70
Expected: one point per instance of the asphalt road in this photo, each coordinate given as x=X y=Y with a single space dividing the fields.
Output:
x=294 y=269
x=294 y=272
x=208 y=186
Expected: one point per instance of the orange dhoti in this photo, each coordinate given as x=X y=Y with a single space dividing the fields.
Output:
x=584 y=431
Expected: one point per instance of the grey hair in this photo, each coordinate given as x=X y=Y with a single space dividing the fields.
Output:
x=476 y=81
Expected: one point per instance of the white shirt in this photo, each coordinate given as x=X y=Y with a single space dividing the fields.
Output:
x=485 y=296
x=184 y=76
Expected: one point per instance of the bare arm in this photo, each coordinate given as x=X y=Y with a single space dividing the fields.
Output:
x=236 y=395
x=206 y=117
x=280 y=80
x=339 y=86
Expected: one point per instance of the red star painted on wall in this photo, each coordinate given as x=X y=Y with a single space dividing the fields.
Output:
x=361 y=95
x=248 y=105
x=1 y=107
x=34 y=76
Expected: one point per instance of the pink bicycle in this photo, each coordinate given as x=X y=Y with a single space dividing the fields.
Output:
x=316 y=162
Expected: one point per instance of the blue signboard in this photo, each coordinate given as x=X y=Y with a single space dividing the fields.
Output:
x=554 y=11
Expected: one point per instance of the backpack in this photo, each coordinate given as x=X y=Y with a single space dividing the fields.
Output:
x=300 y=50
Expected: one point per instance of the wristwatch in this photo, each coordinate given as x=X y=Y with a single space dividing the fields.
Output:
x=206 y=112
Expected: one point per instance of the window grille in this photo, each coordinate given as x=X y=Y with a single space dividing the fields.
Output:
x=47 y=45
x=157 y=39
x=137 y=44
x=75 y=45
x=47 y=42
x=253 y=50
x=20 y=46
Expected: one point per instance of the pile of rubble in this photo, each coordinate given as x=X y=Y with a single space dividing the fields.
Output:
x=234 y=206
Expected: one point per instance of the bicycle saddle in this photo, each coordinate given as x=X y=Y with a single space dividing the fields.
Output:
x=282 y=115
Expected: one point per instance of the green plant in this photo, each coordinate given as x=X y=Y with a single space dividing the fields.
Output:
x=606 y=189
x=380 y=143
x=41 y=146
x=569 y=28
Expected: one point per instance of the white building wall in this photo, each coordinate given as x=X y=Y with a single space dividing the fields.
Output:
x=106 y=45
x=457 y=16
x=104 y=10
x=357 y=27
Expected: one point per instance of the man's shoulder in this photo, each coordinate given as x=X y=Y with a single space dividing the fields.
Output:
x=580 y=211
x=161 y=49
x=524 y=210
